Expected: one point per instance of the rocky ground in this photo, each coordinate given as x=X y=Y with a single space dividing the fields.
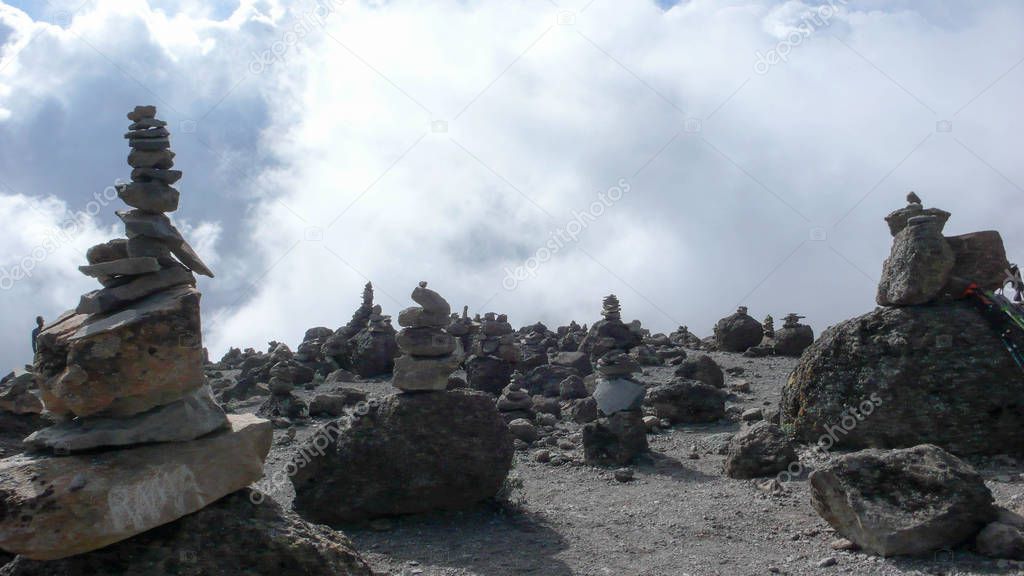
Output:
x=679 y=516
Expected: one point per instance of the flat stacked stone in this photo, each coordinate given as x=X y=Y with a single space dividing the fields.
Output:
x=612 y=311
x=123 y=372
x=619 y=434
x=494 y=354
x=427 y=348
x=515 y=401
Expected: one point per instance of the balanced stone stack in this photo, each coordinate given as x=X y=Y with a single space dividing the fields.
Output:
x=123 y=374
x=925 y=367
x=570 y=337
x=683 y=337
x=536 y=342
x=610 y=333
x=515 y=401
x=366 y=345
x=493 y=355
x=428 y=351
x=619 y=435
x=738 y=332
x=793 y=338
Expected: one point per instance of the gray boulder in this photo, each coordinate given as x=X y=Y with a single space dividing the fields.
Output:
x=738 y=332
x=792 y=341
x=687 y=402
x=410 y=453
x=919 y=266
x=488 y=373
x=760 y=450
x=899 y=377
x=902 y=502
x=702 y=368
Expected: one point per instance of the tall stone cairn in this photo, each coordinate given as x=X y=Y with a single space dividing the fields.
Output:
x=427 y=349
x=611 y=311
x=123 y=372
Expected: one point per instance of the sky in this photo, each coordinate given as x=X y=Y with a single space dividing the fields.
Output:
x=525 y=158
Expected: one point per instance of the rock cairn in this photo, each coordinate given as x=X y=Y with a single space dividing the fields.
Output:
x=366 y=345
x=769 y=327
x=123 y=372
x=793 y=338
x=610 y=333
x=570 y=337
x=920 y=367
x=428 y=351
x=494 y=354
x=537 y=340
x=515 y=402
x=619 y=435
x=683 y=337
x=738 y=332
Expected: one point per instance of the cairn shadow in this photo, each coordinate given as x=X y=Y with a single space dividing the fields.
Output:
x=665 y=465
x=484 y=540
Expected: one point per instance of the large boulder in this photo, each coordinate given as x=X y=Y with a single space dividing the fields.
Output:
x=55 y=507
x=687 y=402
x=577 y=360
x=122 y=363
x=231 y=536
x=546 y=379
x=924 y=374
x=910 y=501
x=793 y=340
x=919 y=266
x=409 y=453
x=738 y=332
x=372 y=353
x=760 y=450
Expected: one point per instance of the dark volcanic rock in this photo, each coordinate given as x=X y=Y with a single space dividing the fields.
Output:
x=919 y=266
x=980 y=258
x=899 y=377
x=488 y=373
x=372 y=353
x=897 y=502
x=738 y=332
x=410 y=453
x=547 y=378
x=702 y=368
x=230 y=537
x=615 y=440
x=687 y=401
x=792 y=341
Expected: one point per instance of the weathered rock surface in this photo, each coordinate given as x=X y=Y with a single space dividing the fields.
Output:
x=738 y=332
x=687 y=401
x=760 y=450
x=411 y=453
x=910 y=501
x=979 y=257
x=123 y=363
x=919 y=266
x=793 y=340
x=488 y=373
x=702 y=368
x=55 y=507
x=617 y=394
x=615 y=440
x=116 y=297
x=924 y=374
x=230 y=537
x=193 y=416
x=424 y=374
x=16 y=394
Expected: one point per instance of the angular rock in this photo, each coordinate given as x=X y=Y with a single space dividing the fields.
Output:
x=899 y=377
x=546 y=379
x=123 y=267
x=149 y=196
x=979 y=257
x=139 y=223
x=59 y=507
x=898 y=220
x=195 y=415
x=792 y=341
x=618 y=394
x=760 y=450
x=16 y=394
x=687 y=402
x=575 y=360
x=231 y=536
x=335 y=403
x=372 y=353
x=615 y=440
x=738 y=332
x=143 y=246
x=122 y=363
x=116 y=249
x=583 y=411
x=410 y=453
x=702 y=368
x=108 y=299
x=898 y=502
x=488 y=373
x=426 y=341
x=572 y=388
x=919 y=266
x=414 y=374
x=415 y=317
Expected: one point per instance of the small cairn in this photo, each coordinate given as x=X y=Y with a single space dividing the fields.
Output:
x=366 y=345
x=611 y=333
x=428 y=351
x=611 y=311
x=738 y=332
x=619 y=433
x=494 y=354
x=769 y=328
x=515 y=402
x=137 y=426
x=793 y=338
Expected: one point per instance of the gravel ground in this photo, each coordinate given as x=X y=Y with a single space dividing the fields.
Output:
x=679 y=517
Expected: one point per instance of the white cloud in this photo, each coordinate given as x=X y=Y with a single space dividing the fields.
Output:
x=732 y=172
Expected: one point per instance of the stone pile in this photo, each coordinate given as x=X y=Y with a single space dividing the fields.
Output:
x=793 y=338
x=16 y=394
x=123 y=373
x=494 y=354
x=427 y=350
x=515 y=401
x=366 y=345
x=921 y=372
x=738 y=332
x=536 y=343
x=619 y=434
x=463 y=328
x=610 y=333
x=570 y=337
x=420 y=450
x=683 y=337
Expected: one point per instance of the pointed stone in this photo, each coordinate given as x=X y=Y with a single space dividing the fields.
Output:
x=108 y=299
x=122 y=267
x=149 y=196
x=155 y=175
x=162 y=159
x=59 y=507
x=138 y=223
